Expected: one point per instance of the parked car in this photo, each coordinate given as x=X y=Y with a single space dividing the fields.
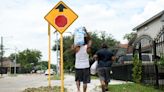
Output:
x=126 y=59
x=51 y=72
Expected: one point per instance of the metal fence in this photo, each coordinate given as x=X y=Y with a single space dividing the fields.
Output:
x=159 y=43
x=124 y=72
x=158 y=48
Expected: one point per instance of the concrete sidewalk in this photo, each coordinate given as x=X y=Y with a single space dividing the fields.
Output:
x=92 y=87
x=24 y=81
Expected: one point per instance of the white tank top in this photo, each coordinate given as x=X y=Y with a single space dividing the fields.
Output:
x=82 y=58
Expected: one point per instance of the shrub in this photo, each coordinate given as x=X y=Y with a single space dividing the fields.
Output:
x=161 y=61
x=137 y=69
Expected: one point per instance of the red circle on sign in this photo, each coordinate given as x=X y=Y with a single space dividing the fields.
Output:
x=61 y=21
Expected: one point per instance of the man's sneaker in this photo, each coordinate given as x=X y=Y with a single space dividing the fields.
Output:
x=106 y=89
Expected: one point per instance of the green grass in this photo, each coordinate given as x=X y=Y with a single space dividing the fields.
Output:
x=94 y=77
x=55 y=77
x=132 y=87
x=44 y=89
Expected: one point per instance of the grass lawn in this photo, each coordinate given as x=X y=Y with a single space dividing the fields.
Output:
x=94 y=77
x=132 y=87
x=55 y=77
x=44 y=89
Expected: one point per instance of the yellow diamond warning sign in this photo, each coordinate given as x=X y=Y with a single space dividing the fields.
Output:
x=61 y=17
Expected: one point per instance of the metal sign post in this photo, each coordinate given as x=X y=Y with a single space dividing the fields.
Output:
x=60 y=17
x=49 y=55
x=1 y=56
x=61 y=60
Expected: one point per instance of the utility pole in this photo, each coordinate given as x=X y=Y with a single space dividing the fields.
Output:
x=1 y=56
x=15 y=62
x=57 y=54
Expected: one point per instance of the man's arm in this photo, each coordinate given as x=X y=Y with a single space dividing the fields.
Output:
x=89 y=46
x=89 y=43
x=113 y=58
x=75 y=48
x=88 y=36
x=95 y=57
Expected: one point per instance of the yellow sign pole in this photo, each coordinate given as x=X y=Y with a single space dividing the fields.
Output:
x=60 y=12
x=49 y=55
x=61 y=61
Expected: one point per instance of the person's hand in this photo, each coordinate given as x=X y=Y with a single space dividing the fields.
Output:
x=75 y=48
x=85 y=30
x=95 y=57
x=113 y=58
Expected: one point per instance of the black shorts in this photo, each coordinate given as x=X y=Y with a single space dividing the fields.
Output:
x=104 y=73
x=82 y=75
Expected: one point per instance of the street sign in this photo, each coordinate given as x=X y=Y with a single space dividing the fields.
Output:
x=61 y=17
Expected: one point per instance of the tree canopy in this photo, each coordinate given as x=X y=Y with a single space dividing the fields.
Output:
x=27 y=58
x=130 y=36
x=97 y=40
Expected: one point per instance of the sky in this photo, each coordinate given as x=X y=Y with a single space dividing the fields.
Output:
x=23 y=26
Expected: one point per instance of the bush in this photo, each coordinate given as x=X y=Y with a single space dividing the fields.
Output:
x=137 y=69
x=161 y=61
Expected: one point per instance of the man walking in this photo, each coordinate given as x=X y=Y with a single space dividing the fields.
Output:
x=82 y=71
x=105 y=58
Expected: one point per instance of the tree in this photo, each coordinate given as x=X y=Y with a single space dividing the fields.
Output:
x=130 y=36
x=28 y=59
x=103 y=35
x=44 y=66
x=69 y=56
x=68 y=40
x=95 y=42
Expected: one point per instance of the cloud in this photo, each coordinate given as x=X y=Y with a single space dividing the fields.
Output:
x=24 y=19
x=150 y=9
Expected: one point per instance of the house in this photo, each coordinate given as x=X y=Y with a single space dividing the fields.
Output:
x=8 y=66
x=122 y=49
x=148 y=31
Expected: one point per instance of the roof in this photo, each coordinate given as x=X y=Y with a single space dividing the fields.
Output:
x=149 y=20
x=9 y=63
x=123 y=45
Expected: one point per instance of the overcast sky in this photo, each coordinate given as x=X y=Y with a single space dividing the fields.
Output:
x=22 y=22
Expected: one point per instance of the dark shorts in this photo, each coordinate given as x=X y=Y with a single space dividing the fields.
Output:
x=104 y=73
x=82 y=75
